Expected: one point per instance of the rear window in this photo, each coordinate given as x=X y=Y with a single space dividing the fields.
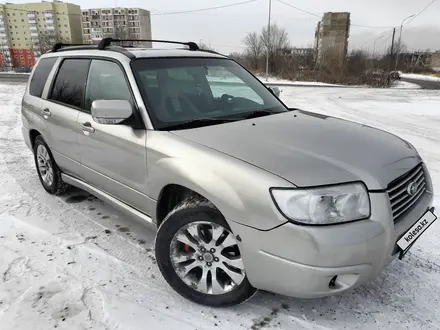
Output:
x=40 y=75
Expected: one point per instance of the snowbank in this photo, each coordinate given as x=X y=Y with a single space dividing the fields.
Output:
x=293 y=83
x=419 y=76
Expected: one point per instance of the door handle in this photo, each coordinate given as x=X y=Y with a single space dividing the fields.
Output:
x=87 y=128
x=45 y=113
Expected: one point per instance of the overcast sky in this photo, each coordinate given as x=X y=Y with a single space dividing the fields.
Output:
x=225 y=28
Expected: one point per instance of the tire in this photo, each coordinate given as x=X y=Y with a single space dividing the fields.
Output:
x=48 y=171
x=198 y=216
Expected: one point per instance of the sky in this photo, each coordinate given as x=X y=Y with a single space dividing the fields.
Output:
x=224 y=29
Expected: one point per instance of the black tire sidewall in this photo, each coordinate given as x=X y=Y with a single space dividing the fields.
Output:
x=52 y=189
x=164 y=237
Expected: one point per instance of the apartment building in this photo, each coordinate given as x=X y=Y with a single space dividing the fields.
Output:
x=332 y=35
x=28 y=30
x=121 y=23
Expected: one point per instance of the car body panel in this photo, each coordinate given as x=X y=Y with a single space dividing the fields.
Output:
x=310 y=149
x=113 y=157
x=230 y=184
x=300 y=261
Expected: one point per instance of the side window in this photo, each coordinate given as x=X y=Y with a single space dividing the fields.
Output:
x=40 y=75
x=106 y=81
x=70 y=82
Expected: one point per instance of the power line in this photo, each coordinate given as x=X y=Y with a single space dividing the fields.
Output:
x=299 y=9
x=152 y=14
x=203 y=9
x=429 y=5
x=420 y=12
x=320 y=15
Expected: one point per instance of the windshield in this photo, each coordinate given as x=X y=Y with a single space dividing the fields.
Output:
x=200 y=91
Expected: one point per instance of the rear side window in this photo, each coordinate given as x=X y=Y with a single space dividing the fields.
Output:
x=69 y=86
x=40 y=75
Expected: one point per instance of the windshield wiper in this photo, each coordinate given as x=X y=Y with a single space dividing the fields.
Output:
x=199 y=122
x=259 y=113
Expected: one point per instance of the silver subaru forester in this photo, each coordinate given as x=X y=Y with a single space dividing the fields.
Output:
x=246 y=193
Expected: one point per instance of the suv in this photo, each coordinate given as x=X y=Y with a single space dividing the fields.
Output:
x=246 y=193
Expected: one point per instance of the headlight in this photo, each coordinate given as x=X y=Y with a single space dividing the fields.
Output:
x=325 y=205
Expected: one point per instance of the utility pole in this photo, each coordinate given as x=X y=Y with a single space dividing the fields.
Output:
x=400 y=41
x=391 y=57
x=268 y=41
x=374 y=46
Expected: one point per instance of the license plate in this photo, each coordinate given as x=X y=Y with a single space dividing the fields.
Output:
x=416 y=230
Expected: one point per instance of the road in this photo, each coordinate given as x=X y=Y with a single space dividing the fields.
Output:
x=14 y=77
x=424 y=84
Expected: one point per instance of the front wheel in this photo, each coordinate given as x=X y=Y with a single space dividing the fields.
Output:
x=199 y=256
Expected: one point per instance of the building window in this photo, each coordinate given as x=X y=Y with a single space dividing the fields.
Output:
x=22 y=20
x=65 y=25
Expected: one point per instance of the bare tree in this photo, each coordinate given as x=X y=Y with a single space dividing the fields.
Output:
x=277 y=42
x=204 y=46
x=254 y=49
x=45 y=42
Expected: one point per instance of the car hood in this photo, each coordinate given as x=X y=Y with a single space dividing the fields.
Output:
x=310 y=149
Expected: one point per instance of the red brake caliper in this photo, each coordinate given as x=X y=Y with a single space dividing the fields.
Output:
x=186 y=248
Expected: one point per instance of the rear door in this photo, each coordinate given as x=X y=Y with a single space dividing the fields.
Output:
x=61 y=109
x=113 y=157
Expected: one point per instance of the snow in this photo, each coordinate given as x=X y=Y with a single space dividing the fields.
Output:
x=73 y=262
x=404 y=85
x=274 y=80
x=419 y=76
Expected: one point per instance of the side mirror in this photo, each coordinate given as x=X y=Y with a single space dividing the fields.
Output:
x=111 y=112
x=276 y=91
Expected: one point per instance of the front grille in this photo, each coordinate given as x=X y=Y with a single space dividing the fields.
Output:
x=401 y=201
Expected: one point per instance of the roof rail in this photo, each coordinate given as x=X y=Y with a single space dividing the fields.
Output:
x=108 y=41
x=60 y=45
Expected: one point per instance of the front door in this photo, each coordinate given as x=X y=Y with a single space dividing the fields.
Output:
x=113 y=157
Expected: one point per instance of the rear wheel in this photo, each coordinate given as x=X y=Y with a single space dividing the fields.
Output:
x=48 y=171
x=199 y=256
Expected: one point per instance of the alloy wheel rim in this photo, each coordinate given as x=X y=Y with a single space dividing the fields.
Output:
x=206 y=257
x=44 y=165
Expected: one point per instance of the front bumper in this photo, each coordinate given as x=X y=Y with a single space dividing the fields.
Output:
x=301 y=261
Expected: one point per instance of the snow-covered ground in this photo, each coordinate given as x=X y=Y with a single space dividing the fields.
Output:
x=73 y=262
x=419 y=76
x=294 y=83
x=404 y=85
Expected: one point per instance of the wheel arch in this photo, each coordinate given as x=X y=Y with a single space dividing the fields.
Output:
x=33 y=133
x=173 y=180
